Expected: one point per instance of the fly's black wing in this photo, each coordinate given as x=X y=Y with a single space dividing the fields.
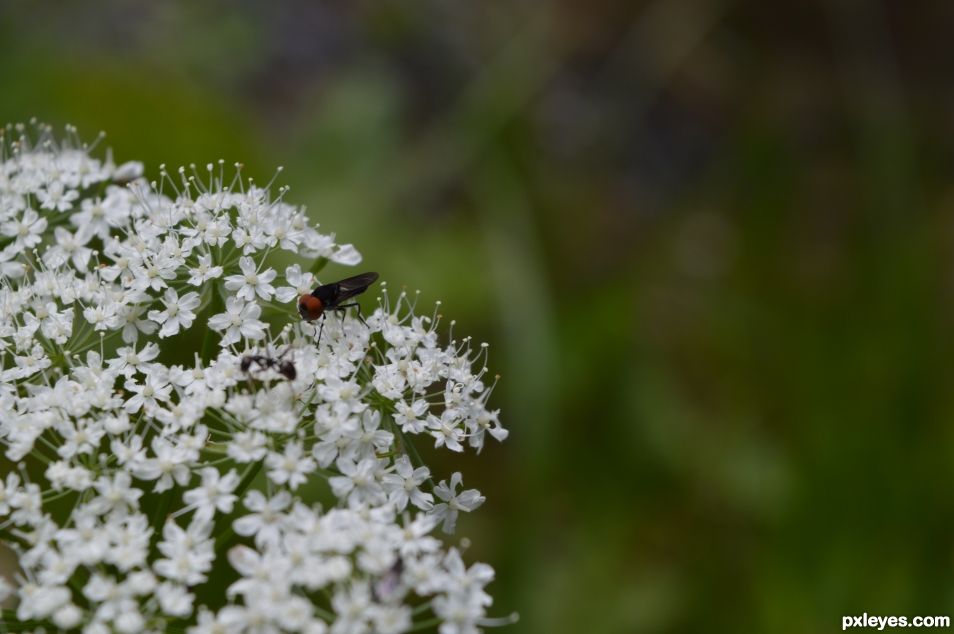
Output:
x=357 y=284
x=351 y=286
x=337 y=292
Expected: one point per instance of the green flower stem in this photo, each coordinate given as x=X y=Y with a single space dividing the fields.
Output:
x=317 y=265
x=9 y=623
x=216 y=305
x=420 y=609
x=423 y=625
x=162 y=510
x=225 y=538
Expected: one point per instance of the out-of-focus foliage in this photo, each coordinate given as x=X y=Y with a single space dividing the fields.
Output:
x=711 y=242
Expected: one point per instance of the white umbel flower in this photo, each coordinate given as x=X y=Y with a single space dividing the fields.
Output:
x=174 y=422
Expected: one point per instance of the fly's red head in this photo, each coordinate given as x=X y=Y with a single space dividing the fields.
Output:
x=310 y=307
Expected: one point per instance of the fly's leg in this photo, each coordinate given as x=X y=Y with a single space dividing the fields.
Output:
x=353 y=305
x=321 y=329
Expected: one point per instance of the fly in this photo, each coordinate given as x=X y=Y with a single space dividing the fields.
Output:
x=334 y=297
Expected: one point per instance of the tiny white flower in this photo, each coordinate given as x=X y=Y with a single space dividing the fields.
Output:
x=174 y=600
x=178 y=313
x=170 y=465
x=57 y=197
x=299 y=284
x=251 y=282
x=188 y=553
x=239 y=320
x=213 y=494
x=146 y=395
x=27 y=231
x=445 y=431
x=290 y=467
x=115 y=494
x=67 y=617
x=403 y=485
x=264 y=522
x=155 y=272
x=102 y=316
x=98 y=215
x=411 y=417
x=129 y=361
x=131 y=316
x=359 y=482
x=247 y=446
x=204 y=271
x=68 y=248
x=453 y=503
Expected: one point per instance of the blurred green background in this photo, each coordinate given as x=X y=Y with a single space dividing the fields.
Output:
x=711 y=244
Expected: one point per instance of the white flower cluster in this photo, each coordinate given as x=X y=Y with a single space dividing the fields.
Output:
x=156 y=485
